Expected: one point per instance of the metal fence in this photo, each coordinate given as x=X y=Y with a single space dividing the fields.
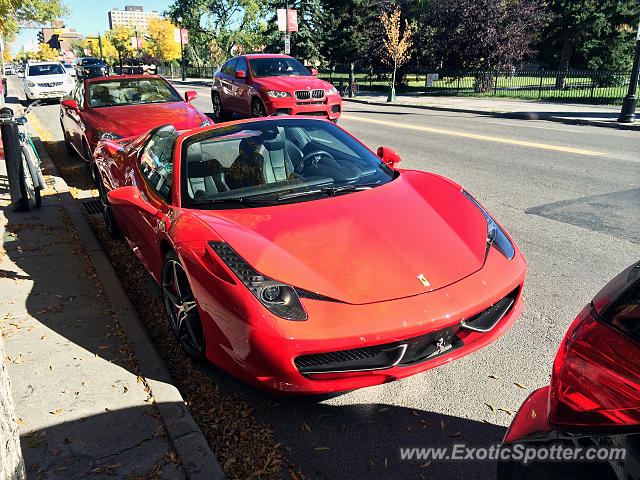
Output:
x=587 y=86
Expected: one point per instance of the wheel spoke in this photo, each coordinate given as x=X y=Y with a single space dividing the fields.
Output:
x=195 y=342
x=172 y=298
x=176 y=282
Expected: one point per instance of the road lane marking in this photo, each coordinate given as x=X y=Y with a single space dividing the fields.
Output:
x=485 y=138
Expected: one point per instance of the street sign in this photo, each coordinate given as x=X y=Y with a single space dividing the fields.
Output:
x=291 y=19
x=136 y=42
x=287 y=44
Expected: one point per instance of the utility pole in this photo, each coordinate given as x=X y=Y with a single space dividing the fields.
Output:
x=287 y=38
x=137 y=49
x=100 y=45
x=181 y=50
x=627 y=112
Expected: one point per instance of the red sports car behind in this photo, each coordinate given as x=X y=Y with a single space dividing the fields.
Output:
x=295 y=258
x=259 y=85
x=122 y=106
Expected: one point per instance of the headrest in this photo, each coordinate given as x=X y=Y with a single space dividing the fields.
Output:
x=203 y=168
x=274 y=145
x=194 y=154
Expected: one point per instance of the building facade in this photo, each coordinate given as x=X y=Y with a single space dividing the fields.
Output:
x=132 y=16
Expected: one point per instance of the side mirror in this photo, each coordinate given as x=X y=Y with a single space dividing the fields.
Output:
x=241 y=74
x=190 y=95
x=389 y=156
x=72 y=104
x=314 y=71
x=130 y=197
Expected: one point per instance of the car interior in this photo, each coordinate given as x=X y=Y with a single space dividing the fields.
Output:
x=124 y=92
x=277 y=157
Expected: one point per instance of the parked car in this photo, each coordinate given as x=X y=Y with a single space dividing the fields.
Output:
x=8 y=69
x=260 y=85
x=44 y=80
x=117 y=107
x=91 y=67
x=292 y=256
x=593 y=399
x=71 y=70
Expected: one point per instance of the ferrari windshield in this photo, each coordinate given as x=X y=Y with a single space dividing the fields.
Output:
x=276 y=67
x=282 y=160
x=127 y=91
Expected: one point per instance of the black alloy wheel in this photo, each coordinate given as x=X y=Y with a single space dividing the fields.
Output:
x=107 y=215
x=180 y=307
x=257 y=108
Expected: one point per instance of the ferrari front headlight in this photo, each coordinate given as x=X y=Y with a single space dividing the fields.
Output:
x=496 y=237
x=279 y=298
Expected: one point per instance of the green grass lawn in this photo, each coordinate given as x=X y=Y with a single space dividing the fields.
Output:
x=579 y=89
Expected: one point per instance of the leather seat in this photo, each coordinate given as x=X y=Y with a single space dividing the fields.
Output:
x=205 y=177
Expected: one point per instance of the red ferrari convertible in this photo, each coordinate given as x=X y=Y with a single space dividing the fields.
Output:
x=295 y=258
x=122 y=106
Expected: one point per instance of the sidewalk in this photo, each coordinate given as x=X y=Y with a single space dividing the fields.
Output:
x=570 y=113
x=92 y=396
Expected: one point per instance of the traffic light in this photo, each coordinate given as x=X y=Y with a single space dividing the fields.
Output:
x=41 y=36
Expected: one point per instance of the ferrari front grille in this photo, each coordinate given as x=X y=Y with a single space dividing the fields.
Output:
x=407 y=352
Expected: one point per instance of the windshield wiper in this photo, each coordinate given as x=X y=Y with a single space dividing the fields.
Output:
x=328 y=190
x=243 y=201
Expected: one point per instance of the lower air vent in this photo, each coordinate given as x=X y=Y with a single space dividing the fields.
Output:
x=355 y=360
x=489 y=318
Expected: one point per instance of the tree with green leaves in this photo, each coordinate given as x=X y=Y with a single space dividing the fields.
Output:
x=347 y=26
x=589 y=34
x=13 y=12
x=233 y=24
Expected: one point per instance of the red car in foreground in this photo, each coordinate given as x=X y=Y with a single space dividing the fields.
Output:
x=260 y=85
x=121 y=106
x=594 y=397
x=292 y=256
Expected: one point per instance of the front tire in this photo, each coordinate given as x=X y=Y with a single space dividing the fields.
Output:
x=30 y=196
x=257 y=108
x=110 y=223
x=219 y=115
x=181 y=309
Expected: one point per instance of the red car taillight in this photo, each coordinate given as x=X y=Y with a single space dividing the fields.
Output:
x=595 y=381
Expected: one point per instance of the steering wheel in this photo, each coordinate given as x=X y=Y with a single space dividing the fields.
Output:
x=312 y=158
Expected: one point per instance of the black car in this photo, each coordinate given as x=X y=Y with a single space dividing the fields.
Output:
x=90 y=67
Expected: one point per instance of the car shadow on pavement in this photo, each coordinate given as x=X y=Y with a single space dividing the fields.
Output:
x=99 y=446
x=327 y=440
x=54 y=289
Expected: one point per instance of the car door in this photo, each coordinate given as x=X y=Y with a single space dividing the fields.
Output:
x=153 y=176
x=241 y=101
x=71 y=120
x=227 y=83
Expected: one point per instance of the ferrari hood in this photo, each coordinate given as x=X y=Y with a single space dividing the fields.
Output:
x=128 y=120
x=415 y=234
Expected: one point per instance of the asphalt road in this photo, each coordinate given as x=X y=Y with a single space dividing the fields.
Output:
x=569 y=196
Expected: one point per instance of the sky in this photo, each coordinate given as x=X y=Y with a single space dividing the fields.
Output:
x=89 y=17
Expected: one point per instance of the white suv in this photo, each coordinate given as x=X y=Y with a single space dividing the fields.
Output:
x=46 y=80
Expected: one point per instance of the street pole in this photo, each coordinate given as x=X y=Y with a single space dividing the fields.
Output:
x=100 y=45
x=627 y=113
x=286 y=27
x=137 y=49
x=181 y=50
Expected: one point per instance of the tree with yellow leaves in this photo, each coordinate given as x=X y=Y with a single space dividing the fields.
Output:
x=163 y=44
x=396 y=46
x=46 y=53
x=120 y=38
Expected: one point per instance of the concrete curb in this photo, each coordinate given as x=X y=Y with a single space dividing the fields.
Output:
x=515 y=115
x=198 y=460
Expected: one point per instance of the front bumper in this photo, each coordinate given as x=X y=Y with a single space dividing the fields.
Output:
x=58 y=91
x=260 y=348
x=329 y=107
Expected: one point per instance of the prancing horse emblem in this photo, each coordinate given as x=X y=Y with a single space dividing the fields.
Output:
x=440 y=345
x=423 y=280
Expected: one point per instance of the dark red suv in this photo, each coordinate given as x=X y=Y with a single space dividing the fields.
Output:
x=261 y=85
